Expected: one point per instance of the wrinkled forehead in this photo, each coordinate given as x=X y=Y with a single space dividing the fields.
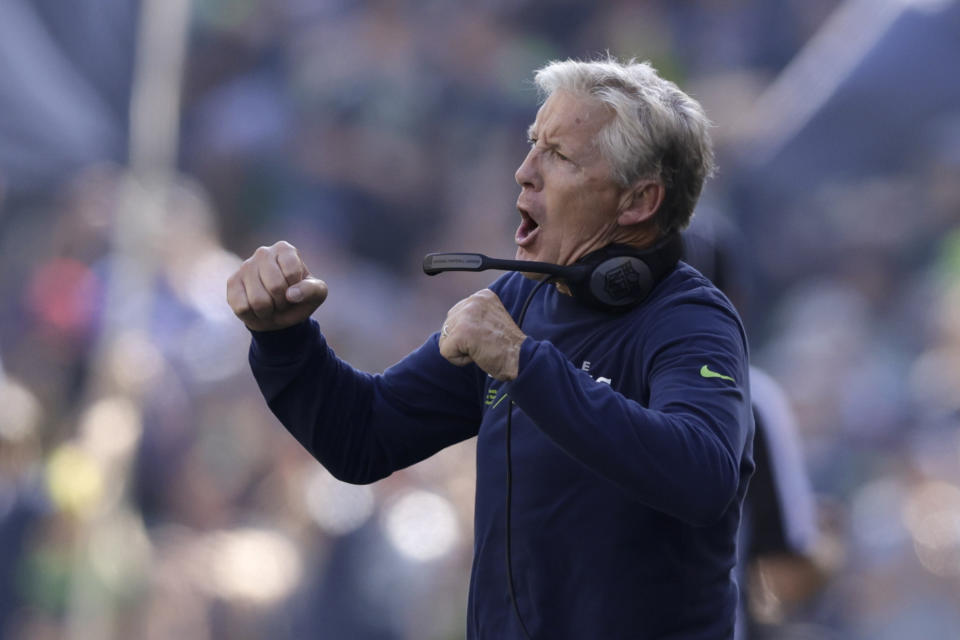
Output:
x=573 y=122
x=565 y=113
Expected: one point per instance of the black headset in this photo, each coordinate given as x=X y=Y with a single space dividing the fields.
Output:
x=615 y=278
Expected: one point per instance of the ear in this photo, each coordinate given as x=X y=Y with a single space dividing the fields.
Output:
x=641 y=202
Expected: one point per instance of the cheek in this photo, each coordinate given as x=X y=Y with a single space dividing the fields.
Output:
x=583 y=209
x=578 y=206
x=566 y=197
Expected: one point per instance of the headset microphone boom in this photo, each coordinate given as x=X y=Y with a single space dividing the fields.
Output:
x=615 y=278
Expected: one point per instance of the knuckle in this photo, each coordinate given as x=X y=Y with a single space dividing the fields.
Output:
x=261 y=252
x=236 y=304
x=261 y=304
x=289 y=262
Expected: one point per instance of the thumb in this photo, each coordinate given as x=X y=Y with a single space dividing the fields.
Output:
x=309 y=289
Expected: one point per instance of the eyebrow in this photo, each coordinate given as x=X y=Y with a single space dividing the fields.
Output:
x=531 y=133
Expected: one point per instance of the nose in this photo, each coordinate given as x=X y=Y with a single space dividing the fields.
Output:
x=528 y=175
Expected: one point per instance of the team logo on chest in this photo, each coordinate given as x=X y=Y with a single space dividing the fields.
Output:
x=586 y=367
x=495 y=396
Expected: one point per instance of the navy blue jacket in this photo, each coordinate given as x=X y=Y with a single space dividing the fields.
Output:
x=631 y=453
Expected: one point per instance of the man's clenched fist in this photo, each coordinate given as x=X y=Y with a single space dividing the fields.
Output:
x=479 y=329
x=273 y=289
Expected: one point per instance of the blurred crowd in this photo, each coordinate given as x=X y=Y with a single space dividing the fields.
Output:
x=145 y=489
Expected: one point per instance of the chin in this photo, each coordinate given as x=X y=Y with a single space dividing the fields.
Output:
x=524 y=253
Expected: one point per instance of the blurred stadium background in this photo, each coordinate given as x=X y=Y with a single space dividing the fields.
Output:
x=146 y=492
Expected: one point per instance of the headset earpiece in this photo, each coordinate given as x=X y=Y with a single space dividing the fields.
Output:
x=615 y=283
x=621 y=277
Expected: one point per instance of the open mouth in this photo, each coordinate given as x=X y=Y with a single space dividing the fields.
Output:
x=527 y=229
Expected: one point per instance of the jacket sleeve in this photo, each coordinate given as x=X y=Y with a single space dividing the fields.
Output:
x=361 y=426
x=678 y=452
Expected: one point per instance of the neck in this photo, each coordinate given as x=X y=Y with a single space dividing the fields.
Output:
x=639 y=236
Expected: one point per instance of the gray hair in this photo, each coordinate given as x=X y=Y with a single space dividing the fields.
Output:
x=658 y=132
